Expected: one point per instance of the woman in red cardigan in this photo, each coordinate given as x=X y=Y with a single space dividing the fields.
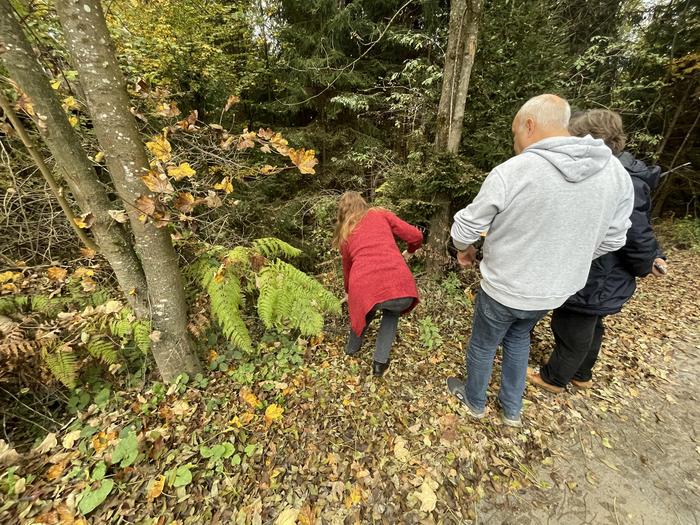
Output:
x=376 y=275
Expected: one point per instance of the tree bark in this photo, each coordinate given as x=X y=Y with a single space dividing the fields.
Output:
x=459 y=60
x=91 y=48
x=70 y=157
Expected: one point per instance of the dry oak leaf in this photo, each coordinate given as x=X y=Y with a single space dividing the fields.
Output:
x=45 y=446
x=157 y=182
x=232 y=100
x=160 y=148
x=212 y=200
x=84 y=221
x=304 y=159
x=245 y=140
x=225 y=185
x=250 y=398
x=287 y=517
x=181 y=171
x=266 y=134
x=56 y=274
x=427 y=495
x=273 y=412
x=146 y=206
x=279 y=143
x=184 y=202
x=156 y=487
x=167 y=110
x=9 y=276
x=400 y=450
x=118 y=215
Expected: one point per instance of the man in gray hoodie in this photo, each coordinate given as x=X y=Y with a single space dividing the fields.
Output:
x=547 y=213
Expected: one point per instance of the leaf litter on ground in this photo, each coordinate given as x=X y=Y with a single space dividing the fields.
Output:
x=325 y=442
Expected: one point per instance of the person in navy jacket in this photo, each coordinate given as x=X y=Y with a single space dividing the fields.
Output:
x=578 y=324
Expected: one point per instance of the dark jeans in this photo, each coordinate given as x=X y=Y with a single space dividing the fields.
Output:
x=577 y=338
x=495 y=324
x=387 y=329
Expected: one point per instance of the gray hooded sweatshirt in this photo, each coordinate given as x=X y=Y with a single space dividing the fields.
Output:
x=546 y=214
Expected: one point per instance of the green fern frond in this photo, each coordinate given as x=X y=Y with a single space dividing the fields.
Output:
x=49 y=306
x=226 y=300
x=291 y=299
x=121 y=327
x=273 y=247
x=10 y=305
x=103 y=350
x=63 y=364
x=142 y=333
x=99 y=297
x=239 y=254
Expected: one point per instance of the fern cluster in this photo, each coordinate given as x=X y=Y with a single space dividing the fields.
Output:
x=285 y=297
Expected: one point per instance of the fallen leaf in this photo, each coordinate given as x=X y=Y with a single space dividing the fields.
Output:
x=156 y=487
x=232 y=100
x=56 y=274
x=45 y=446
x=225 y=185
x=118 y=215
x=303 y=159
x=400 y=451
x=8 y=455
x=160 y=148
x=273 y=412
x=157 y=183
x=70 y=439
x=250 y=398
x=184 y=202
x=427 y=496
x=287 y=517
x=84 y=221
x=181 y=171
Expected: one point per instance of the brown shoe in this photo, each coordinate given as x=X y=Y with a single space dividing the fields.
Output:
x=582 y=385
x=534 y=378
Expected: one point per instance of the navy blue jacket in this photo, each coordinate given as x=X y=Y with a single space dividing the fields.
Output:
x=612 y=278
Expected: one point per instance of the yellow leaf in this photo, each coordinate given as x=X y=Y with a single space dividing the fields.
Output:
x=99 y=156
x=70 y=103
x=102 y=440
x=167 y=110
x=73 y=120
x=9 y=276
x=55 y=84
x=279 y=143
x=427 y=497
x=267 y=169
x=287 y=517
x=225 y=185
x=9 y=287
x=245 y=141
x=303 y=159
x=160 y=148
x=250 y=398
x=354 y=498
x=185 y=202
x=157 y=182
x=400 y=451
x=181 y=171
x=70 y=439
x=232 y=100
x=56 y=471
x=156 y=487
x=118 y=215
x=82 y=272
x=56 y=274
x=266 y=134
x=84 y=221
x=273 y=412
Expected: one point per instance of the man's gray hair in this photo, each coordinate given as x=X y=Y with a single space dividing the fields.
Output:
x=546 y=110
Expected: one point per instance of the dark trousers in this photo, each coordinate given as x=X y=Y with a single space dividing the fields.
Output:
x=577 y=340
x=387 y=329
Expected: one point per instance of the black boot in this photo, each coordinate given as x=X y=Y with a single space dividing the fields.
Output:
x=378 y=368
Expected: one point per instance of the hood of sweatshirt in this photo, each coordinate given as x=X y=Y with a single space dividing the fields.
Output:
x=576 y=158
x=637 y=168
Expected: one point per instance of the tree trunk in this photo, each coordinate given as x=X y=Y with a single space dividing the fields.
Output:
x=90 y=46
x=63 y=142
x=459 y=60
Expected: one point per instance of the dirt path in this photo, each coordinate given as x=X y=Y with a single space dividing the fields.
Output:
x=649 y=475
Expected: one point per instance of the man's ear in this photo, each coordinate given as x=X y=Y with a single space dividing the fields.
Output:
x=530 y=125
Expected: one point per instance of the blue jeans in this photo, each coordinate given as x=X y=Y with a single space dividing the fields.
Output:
x=496 y=324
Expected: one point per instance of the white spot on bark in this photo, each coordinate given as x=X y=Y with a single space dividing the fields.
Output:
x=86 y=8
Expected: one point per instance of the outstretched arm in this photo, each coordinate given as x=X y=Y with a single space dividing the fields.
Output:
x=476 y=218
x=404 y=231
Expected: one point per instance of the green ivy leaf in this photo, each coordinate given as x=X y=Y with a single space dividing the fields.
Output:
x=250 y=449
x=91 y=499
x=99 y=471
x=206 y=452
x=127 y=450
x=183 y=476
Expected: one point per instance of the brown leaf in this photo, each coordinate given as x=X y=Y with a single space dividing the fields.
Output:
x=157 y=183
x=156 y=487
x=266 y=134
x=118 y=215
x=184 y=202
x=167 y=110
x=146 y=205
x=85 y=221
x=232 y=100
x=246 y=140
x=212 y=200
x=56 y=274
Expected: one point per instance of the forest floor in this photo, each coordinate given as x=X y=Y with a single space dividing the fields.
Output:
x=263 y=441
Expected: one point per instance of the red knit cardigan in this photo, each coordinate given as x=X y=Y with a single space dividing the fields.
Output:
x=373 y=267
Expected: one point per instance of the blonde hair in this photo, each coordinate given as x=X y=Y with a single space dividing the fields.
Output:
x=351 y=209
x=601 y=124
x=546 y=110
